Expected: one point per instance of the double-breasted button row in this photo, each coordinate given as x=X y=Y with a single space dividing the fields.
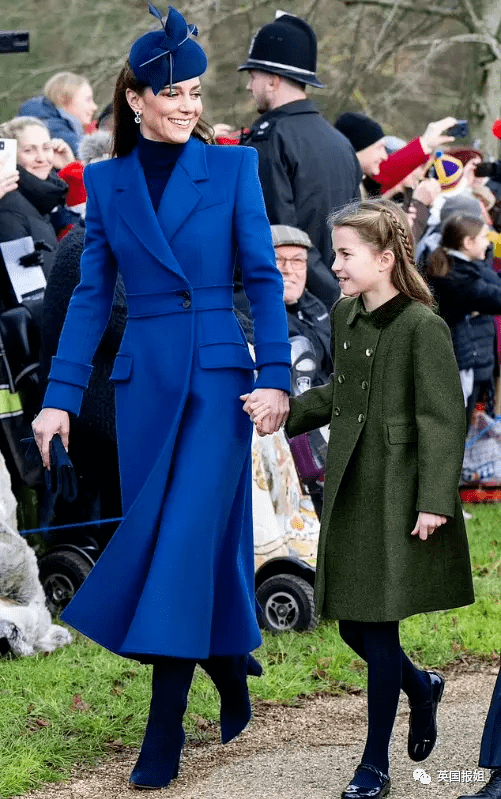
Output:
x=187 y=299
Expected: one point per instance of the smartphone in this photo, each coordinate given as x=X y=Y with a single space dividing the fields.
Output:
x=8 y=156
x=459 y=130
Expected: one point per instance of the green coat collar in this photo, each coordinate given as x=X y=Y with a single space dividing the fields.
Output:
x=383 y=315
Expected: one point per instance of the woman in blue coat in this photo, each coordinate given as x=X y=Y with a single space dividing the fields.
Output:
x=172 y=214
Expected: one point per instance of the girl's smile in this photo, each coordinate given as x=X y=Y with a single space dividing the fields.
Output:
x=360 y=269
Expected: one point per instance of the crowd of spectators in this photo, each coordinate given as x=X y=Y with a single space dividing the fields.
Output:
x=308 y=166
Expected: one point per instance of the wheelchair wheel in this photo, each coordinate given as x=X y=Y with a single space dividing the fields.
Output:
x=287 y=603
x=61 y=574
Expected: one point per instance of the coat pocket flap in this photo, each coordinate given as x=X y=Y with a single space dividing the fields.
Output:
x=122 y=367
x=229 y=355
x=402 y=433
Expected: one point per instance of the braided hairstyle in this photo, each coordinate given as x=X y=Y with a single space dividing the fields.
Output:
x=383 y=226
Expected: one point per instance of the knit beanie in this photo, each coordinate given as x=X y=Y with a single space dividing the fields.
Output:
x=362 y=131
x=463 y=204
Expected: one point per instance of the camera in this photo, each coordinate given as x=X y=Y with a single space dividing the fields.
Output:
x=14 y=41
x=459 y=130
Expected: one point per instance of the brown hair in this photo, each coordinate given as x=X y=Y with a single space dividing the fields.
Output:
x=61 y=87
x=455 y=230
x=383 y=225
x=124 y=127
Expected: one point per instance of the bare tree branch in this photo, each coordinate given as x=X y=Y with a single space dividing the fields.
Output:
x=387 y=23
x=436 y=11
x=475 y=38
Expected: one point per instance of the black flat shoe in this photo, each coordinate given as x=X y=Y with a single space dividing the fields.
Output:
x=491 y=790
x=419 y=747
x=357 y=792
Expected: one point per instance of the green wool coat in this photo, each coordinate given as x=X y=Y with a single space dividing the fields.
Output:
x=397 y=428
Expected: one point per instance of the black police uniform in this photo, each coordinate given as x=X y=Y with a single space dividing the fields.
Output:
x=307 y=168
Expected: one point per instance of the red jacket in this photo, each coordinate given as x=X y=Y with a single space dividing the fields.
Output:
x=400 y=164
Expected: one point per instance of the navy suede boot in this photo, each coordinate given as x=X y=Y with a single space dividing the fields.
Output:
x=158 y=761
x=229 y=675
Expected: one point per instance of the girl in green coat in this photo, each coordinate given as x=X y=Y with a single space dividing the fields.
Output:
x=392 y=539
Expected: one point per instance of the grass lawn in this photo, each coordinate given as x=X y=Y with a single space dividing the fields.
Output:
x=81 y=702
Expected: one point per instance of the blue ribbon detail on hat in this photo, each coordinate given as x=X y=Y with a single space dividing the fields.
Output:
x=177 y=31
x=155 y=56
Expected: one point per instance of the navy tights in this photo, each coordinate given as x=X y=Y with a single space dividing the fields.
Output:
x=389 y=670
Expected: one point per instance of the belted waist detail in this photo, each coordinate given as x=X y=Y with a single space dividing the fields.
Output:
x=197 y=298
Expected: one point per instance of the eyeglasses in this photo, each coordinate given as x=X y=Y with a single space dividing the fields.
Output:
x=297 y=263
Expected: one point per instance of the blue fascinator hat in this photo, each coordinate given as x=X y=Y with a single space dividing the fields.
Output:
x=161 y=58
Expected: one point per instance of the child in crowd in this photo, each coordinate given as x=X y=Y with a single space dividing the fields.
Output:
x=392 y=539
x=468 y=292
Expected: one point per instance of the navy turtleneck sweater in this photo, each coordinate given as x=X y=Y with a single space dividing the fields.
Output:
x=158 y=160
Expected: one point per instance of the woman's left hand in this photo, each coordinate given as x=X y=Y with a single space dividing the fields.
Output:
x=63 y=154
x=268 y=408
x=427 y=523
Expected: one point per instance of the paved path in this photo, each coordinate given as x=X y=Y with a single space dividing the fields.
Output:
x=310 y=752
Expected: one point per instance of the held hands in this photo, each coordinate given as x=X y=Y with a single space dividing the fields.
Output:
x=268 y=408
x=47 y=424
x=427 y=523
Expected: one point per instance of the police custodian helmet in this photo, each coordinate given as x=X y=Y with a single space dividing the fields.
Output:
x=288 y=47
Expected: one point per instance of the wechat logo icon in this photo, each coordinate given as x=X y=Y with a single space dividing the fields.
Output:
x=420 y=775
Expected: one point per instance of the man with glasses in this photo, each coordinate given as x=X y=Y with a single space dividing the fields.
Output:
x=306 y=315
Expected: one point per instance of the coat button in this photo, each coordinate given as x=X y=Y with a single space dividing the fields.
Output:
x=341 y=378
x=337 y=411
x=187 y=304
x=361 y=418
x=365 y=385
x=369 y=351
x=346 y=345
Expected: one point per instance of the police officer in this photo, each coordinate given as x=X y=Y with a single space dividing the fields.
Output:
x=306 y=166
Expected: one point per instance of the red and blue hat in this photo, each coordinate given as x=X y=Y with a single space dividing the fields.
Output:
x=161 y=58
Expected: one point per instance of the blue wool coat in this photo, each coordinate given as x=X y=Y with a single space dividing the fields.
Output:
x=177 y=578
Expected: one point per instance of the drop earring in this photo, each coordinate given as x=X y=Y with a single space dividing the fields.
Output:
x=137 y=118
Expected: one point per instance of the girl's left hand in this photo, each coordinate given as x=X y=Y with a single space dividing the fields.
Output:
x=63 y=154
x=268 y=408
x=427 y=523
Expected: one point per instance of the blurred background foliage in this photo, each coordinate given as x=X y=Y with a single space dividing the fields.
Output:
x=403 y=63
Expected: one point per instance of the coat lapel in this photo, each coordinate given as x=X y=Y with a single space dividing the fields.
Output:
x=183 y=191
x=180 y=197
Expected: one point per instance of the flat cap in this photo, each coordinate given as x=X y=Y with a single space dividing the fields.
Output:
x=283 y=235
